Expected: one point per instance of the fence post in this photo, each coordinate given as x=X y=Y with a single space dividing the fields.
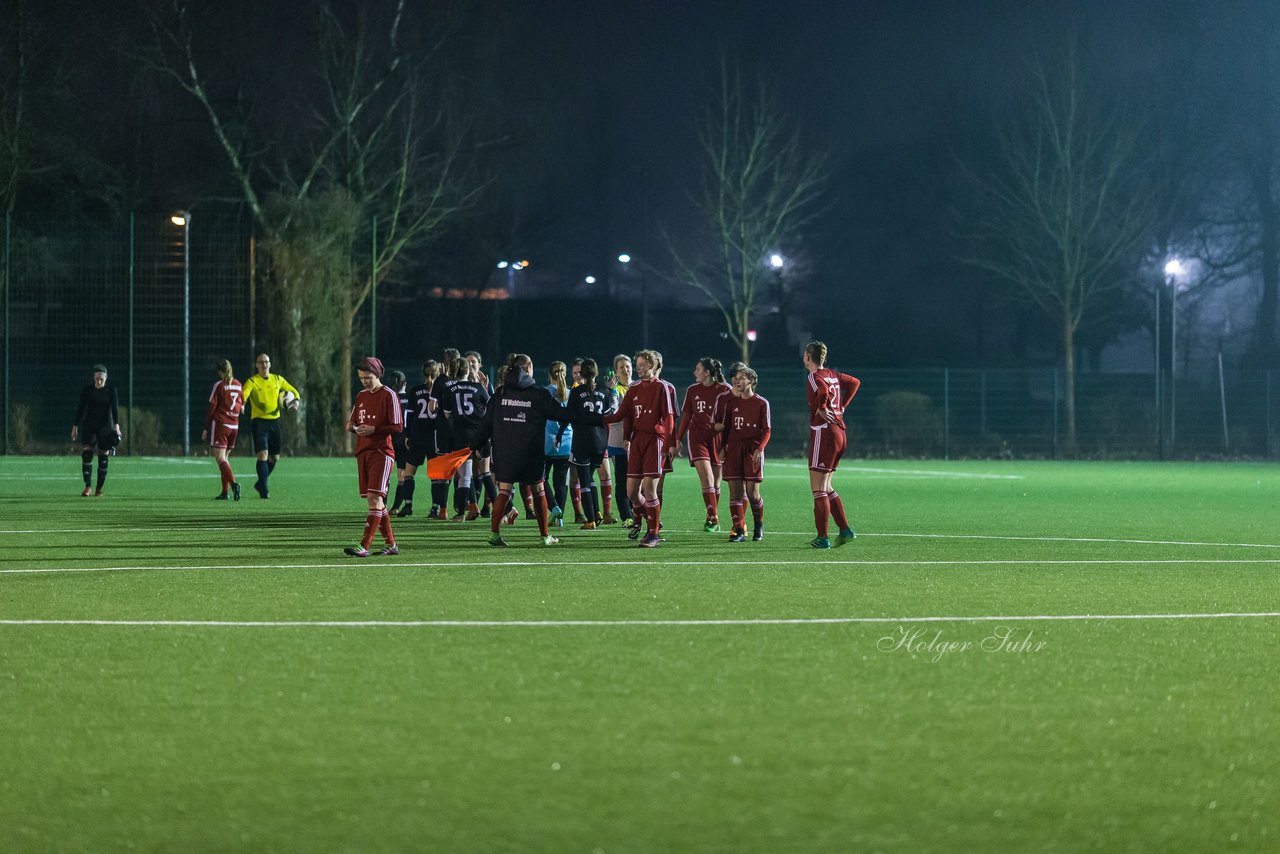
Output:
x=946 y=413
x=982 y=405
x=8 y=288
x=1055 y=413
x=132 y=249
x=373 y=288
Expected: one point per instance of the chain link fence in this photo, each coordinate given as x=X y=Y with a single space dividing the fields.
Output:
x=160 y=302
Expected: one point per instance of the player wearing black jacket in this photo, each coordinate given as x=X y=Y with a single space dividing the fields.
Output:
x=516 y=423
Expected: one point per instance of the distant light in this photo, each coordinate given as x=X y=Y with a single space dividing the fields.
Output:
x=776 y=261
x=624 y=258
x=590 y=280
x=502 y=265
x=178 y=219
x=1174 y=268
x=524 y=264
x=751 y=335
x=519 y=265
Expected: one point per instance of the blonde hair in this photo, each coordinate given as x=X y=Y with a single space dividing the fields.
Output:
x=817 y=352
x=556 y=373
x=224 y=370
x=653 y=357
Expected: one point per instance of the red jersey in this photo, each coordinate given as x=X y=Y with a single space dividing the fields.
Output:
x=696 y=411
x=225 y=403
x=747 y=419
x=829 y=391
x=381 y=409
x=648 y=407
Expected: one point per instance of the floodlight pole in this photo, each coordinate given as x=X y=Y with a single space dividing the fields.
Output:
x=186 y=334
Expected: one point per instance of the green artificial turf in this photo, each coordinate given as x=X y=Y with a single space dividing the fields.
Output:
x=228 y=680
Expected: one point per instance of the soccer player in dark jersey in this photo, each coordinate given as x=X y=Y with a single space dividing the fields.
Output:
x=648 y=416
x=515 y=421
x=444 y=436
x=829 y=393
x=396 y=382
x=589 y=443
x=420 y=419
x=481 y=474
x=745 y=428
x=696 y=425
x=97 y=426
x=222 y=425
x=375 y=418
x=464 y=405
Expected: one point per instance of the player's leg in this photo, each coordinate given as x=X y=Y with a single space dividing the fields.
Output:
x=737 y=510
x=756 y=502
x=706 y=477
x=86 y=468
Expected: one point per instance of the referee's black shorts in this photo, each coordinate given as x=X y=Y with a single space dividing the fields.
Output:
x=267 y=435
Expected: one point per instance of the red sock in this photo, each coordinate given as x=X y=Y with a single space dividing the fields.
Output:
x=385 y=527
x=709 y=498
x=655 y=514
x=371 y=523
x=227 y=477
x=577 y=498
x=757 y=511
x=736 y=512
x=527 y=494
x=821 y=512
x=837 y=511
x=499 y=509
x=540 y=505
x=606 y=494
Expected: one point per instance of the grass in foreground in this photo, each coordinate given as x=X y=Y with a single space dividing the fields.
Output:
x=599 y=696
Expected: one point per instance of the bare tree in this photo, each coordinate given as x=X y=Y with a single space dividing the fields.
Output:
x=760 y=186
x=1060 y=215
x=374 y=168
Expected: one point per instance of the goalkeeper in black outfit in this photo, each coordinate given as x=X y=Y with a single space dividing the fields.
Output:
x=97 y=426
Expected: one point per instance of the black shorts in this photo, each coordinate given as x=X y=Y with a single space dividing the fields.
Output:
x=400 y=451
x=267 y=435
x=103 y=437
x=462 y=436
x=592 y=460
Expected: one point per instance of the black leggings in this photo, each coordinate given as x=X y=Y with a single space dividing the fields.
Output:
x=555 y=470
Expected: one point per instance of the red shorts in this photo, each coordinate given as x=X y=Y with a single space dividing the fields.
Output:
x=223 y=436
x=646 y=456
x=373 y=469
x=738 y=464
x=826 y=447
x=703 y=446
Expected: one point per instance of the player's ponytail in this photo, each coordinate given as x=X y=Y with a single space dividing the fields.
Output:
x=712 y=366
x=224 y=370
x=556 y=374
x=517 y=362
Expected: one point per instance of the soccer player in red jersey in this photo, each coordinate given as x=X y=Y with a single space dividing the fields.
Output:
x=829 y=393
x=375 y=418
x=698 y=429
x=745 y=430
x=648 y=416
x=222 y=425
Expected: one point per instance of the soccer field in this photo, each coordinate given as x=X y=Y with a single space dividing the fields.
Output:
x=1011 y=656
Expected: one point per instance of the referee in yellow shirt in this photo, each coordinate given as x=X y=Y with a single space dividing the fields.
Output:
x=265 y=395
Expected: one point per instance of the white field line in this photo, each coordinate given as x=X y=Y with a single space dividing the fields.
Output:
x=353 y=563
x=542 y=624
x=699 y=532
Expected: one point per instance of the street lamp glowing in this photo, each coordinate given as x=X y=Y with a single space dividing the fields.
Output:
x=1174 y=267
x=624 y=258
x=590 y=280
x=776 y=261
x=179 y=218
x=502 y=265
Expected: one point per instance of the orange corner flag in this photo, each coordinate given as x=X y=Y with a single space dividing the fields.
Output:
x=444 y=466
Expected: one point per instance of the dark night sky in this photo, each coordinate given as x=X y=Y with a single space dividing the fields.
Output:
x=591 y=105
